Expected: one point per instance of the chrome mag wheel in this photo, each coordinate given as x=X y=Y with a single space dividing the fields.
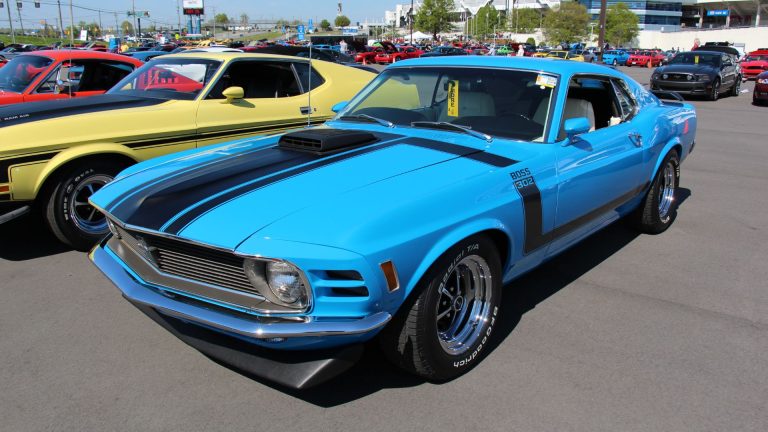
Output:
x=464 y=304
x=667 y=190
x=81 y=212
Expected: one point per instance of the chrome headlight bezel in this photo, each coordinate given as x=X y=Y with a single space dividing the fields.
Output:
x=703 y=77
x=257 y=271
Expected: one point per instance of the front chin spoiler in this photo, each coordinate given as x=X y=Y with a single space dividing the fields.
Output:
x=291 y=369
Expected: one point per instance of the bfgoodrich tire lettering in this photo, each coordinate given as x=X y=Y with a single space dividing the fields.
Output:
x=67 y=212
x=659 y=208
x=424 y=338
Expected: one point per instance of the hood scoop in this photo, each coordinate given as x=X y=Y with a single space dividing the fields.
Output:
x=325 y=141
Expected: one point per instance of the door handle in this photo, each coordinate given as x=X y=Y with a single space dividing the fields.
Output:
x=636 y=139
x=306 y=110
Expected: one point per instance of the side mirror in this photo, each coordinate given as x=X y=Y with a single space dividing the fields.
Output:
x=576 y=126
x=339 y=106
x=233 y=93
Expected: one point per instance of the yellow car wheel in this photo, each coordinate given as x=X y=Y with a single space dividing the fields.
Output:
x=69 y=215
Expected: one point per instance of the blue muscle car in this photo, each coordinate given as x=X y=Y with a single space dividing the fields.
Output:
x=615 y=57
x=402 y=218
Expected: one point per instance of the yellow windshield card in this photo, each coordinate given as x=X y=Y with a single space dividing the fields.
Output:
x=453 y=98
x=696 y=59
x=546 y=81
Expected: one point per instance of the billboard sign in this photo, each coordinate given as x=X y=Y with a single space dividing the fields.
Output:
x=718 y=12
x=300 y=29
x=350 y=31
x=193 y=7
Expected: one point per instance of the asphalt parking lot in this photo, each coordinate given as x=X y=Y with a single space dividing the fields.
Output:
x=625 y=332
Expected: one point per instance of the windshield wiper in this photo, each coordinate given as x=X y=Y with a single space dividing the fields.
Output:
x=454 y=127
x=368 y=118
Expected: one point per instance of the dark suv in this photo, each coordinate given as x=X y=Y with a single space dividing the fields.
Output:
x=706 y=73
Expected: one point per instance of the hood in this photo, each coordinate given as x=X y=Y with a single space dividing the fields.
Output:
x=36 y=111
x=222 y=199
x=687 y=68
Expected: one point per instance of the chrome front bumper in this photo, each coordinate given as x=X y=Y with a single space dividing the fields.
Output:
x=231 y=322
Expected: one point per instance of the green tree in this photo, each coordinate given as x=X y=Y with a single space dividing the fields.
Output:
x=341 y=21
x=525 y=20
x=569 y=23
x=486 y=21
x=221 y=18
x=126 y=27
x=531 y=41
x=434 y=16
x=325 y=25
x=621 y=24
x=244 y=18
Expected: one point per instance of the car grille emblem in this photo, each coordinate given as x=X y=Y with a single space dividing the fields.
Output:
x=147 y=252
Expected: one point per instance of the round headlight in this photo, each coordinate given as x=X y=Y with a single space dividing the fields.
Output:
x=286 y=284
x=689 y=77
x=665 y=76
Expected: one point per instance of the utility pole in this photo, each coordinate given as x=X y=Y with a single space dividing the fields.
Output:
x=21 y=23
x=410 y=19
x=178 y=12
x=117 y=27
x=61 y=22
x=101 y=27
x=71 y=25
x=601 y=38
x=133 y=12
x=10 y=22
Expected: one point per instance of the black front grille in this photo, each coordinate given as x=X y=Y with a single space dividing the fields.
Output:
x=679 y=77
x=191 y=261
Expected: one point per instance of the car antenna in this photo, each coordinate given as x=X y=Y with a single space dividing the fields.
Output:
x=309 y=90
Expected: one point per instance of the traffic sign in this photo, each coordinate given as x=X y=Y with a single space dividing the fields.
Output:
x=301 y=30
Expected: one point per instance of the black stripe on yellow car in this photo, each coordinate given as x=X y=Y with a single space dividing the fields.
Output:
x=6 y=164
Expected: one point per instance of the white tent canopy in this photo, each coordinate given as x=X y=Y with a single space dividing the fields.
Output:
x=417 y=35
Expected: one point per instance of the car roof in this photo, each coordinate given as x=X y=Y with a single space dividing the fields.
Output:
x=78 y=55
x=536 y=64
x=230 y=55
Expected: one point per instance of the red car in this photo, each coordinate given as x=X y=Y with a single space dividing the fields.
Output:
x=46 y=75
x=760 y=95
x=641 y=58
x=392 y=54
x=755 y=63
x=367 y=54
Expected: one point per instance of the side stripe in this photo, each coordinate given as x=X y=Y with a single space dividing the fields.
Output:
x=5 y=164
x=532 y=208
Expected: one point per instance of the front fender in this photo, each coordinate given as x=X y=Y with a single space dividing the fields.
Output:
x=78 y=152
x=452 y=237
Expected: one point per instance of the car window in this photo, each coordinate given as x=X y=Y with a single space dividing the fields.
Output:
x=626 y=101
x=258 y=79
x=506 y=103
x=168 y=78
x=19 y=72
x=594 y=98
x=305 y=77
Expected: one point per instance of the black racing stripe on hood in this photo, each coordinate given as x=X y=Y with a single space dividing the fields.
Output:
x=460 y=151
x=163 y=201
x=186 y=218
x=16 y=114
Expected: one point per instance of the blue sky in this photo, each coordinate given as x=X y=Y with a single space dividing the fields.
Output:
x=164 y=11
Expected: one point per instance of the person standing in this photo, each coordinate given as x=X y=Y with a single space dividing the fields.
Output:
x=343 y=46
x=521 y=51
x=695 y=44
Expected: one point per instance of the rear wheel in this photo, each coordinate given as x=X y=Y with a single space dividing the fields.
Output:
x=659 y=208
x=443 y=331
x=69 y=215
x=736 y=89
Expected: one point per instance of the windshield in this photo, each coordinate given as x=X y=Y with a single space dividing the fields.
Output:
x=696 y=58
x=498 y=102
x=757 y=58
x=180 y=78
x=560 y=54
x=18 y=73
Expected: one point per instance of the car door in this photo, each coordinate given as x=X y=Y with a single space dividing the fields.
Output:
x=80 y=78
x=274 y=100
x=728 y=71
x=602 y=169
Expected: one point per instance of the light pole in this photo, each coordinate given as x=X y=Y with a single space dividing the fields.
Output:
x=10 y=22
x=601 y=38
x=61 y=22
x=71 y=25
x=410 y=19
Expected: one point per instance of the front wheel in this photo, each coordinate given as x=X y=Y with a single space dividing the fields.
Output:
x=714 y=94
x=659 y=208
x=69 y=215
x=615 y=63
x=445 y=330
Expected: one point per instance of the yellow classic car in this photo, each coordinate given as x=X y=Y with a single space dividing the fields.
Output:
x=565 y=55
x=54 y=155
